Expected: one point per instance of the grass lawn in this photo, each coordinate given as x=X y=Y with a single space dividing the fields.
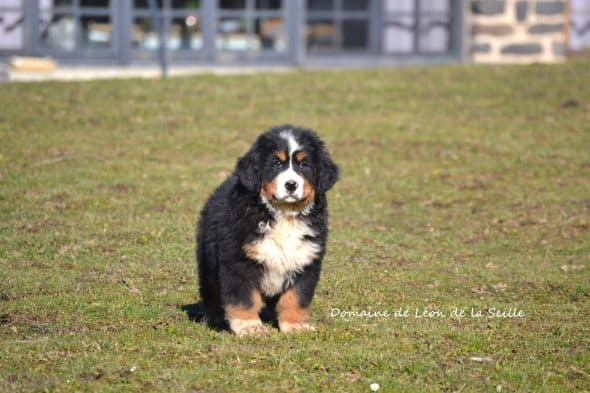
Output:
x=462 y=187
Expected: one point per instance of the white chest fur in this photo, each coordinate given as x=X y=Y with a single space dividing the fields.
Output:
x=283 y=252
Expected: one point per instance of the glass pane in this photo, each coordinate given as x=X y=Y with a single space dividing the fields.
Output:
x=271 y=34
x=579 y=37
x=186 y=4
x=435 y=5
x=145 y=3
x=97 y=31
x=397 y=6
x=11 y=30
x=232 y=35
x=320 y=4
x=185 y=33
x=355 y=33
x=434 y=35
x=58 y=32
x=232 y=4
x=355 y=5
x=578 y=8
x=144 y=35
x=321 y=35
x=269 y=4
x=55 y=3
x=94 y=3
x=14 y=4
x=398 y=36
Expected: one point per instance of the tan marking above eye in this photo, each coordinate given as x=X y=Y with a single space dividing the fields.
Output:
x=300 y=156
x=281 y=155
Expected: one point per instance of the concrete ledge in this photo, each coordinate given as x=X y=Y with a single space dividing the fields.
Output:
x=83 y=73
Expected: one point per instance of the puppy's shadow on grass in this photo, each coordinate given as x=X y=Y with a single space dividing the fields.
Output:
x=196 y=313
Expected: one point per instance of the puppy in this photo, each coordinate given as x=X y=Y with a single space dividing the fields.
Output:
x=262 y=234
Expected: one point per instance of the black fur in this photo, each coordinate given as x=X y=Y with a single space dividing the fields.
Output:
x=232 y=216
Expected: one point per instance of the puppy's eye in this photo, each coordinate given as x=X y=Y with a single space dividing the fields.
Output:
x=278 y=164
x=303 y=164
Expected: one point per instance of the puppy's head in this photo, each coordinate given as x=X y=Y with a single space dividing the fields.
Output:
x=288 y=167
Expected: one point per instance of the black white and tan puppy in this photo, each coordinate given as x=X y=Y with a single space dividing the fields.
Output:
x=262 y=234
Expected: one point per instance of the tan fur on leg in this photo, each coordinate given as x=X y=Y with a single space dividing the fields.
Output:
x=245 y=321
x=292 y=317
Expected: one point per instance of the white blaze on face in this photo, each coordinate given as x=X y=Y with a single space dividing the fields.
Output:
x=289 y=175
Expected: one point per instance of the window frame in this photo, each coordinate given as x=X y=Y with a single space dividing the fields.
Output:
x=78 y=12
x=338 y=14
x=251 y=13
x=167 y=14
x=418 y=15
x=21 y=11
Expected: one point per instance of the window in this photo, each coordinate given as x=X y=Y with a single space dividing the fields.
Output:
x=579 y=28
x=69 y=25
x=181 y=20
x=11 y=25
x=338 y=25
x=251 y=26
x=417 y=26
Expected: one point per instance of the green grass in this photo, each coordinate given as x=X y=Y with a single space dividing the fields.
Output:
x=461 y=186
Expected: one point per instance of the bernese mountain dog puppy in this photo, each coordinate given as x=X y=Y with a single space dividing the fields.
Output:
x=262 y=234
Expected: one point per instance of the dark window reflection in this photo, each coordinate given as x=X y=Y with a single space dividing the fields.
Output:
x=185 y=33
x=268 y=4
x=144 y=34
x=270 y=33
x=321 y=34
x=97 y=31
x=146 y=4
x=320 y=4
x=232 y=34
x=355 y=33
x=355 y=5
x=232 y=4
x=62 y=3
x=94 y=3
x=186 y=4
x=337 y=25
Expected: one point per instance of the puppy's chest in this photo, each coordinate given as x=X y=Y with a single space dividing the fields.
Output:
x=283 y=251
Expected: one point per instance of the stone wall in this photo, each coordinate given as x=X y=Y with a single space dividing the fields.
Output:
x=518 y=31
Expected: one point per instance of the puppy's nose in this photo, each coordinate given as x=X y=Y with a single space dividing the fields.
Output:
x=291 y=185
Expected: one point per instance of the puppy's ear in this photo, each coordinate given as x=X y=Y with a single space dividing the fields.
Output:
x=248 y=171
x=328 y=171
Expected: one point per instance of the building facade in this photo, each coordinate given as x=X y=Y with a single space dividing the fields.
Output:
x=294 y=32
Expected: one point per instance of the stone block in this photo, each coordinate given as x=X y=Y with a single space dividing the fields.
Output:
x=497 y=29
x=488 y=7
x=521 y=10
x=521 y=49
x=550 y=7
x=481 y=48
x=543 y=28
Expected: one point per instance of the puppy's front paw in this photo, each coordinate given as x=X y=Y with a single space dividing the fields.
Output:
x=248 y=328
x=288 y=327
